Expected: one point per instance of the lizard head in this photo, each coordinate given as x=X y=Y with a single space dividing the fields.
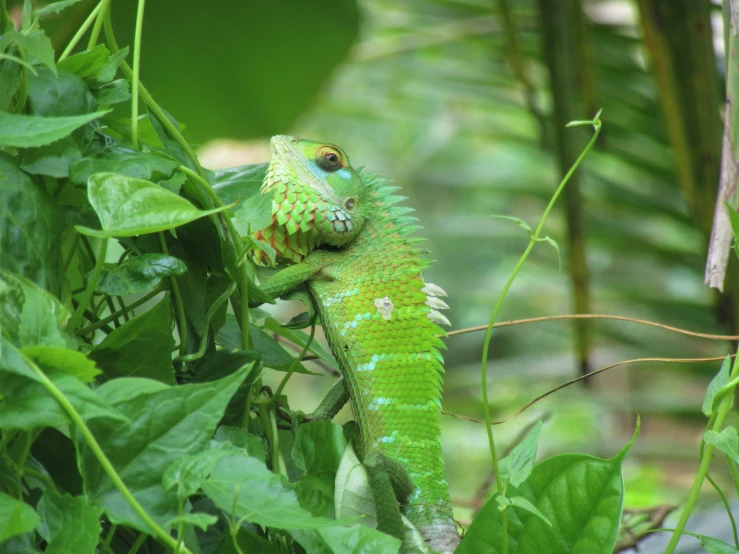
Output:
x=319 y=198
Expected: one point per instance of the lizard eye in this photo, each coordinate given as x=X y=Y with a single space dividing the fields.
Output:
x=329 y=159
x=350 y=203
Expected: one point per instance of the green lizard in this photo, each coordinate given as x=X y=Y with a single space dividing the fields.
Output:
x=350 y=243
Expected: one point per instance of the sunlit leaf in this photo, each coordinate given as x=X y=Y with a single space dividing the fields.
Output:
x=128 y=207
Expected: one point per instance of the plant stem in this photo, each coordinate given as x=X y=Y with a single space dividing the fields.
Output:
x=138 y=544
x=534 y=238
x=179 y=308
x=725 y=502
x=81 y=31
x=269 y=423
x=23 y=91
x=723 y=411
x=101 y=323
x=734 y=476
x=94 y=446
x=149 y=101
x=76 y=318
x=109 y=536
x=45 y=479
x=102 y=13
x=295 y=363
x=242 y=277
x=206 y=325
x=135 y=77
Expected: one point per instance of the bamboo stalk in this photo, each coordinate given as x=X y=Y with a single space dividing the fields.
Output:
x=678 y=36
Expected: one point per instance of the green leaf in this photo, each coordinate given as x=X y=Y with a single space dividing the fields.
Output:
x=726 y=441
x=53 y=95
x=353 y=497
x=521 y=502
x=549 y=240
x=715 y=546
x=520 y=222
x=107 y=72
x=518 y=464
x=68 y=524
x=10 y=80
x=112 y=93
x=251 y=242
x=243 y=487
x=196 y=519
x=300 y=321
x=117 y=391
x=237 y=184
x=54 y=7
x=86 y=62
x=239 y=438
x=141 y=347
x=318 y=449
x=218 y=364
x=128 y=207
x=16 y=517
x=27 y=403
x=582 y=496
x=122 y=161
x=36 y=45
x=188 y=473
x=119 y=130
x=164 y=426
x=26 y=15
x=64 y=360
x=412 y=539
x=733 y=219
x=717 y=383
x=170 y=143
x=31 y=130
x=174 y=184
x=28 y=314
x=52 y=160
x=359 y=540
x=254 y=214
x=273 y=354
x=139 y=274
x=30 y=227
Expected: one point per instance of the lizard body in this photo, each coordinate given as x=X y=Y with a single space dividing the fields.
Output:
x=380 y=317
